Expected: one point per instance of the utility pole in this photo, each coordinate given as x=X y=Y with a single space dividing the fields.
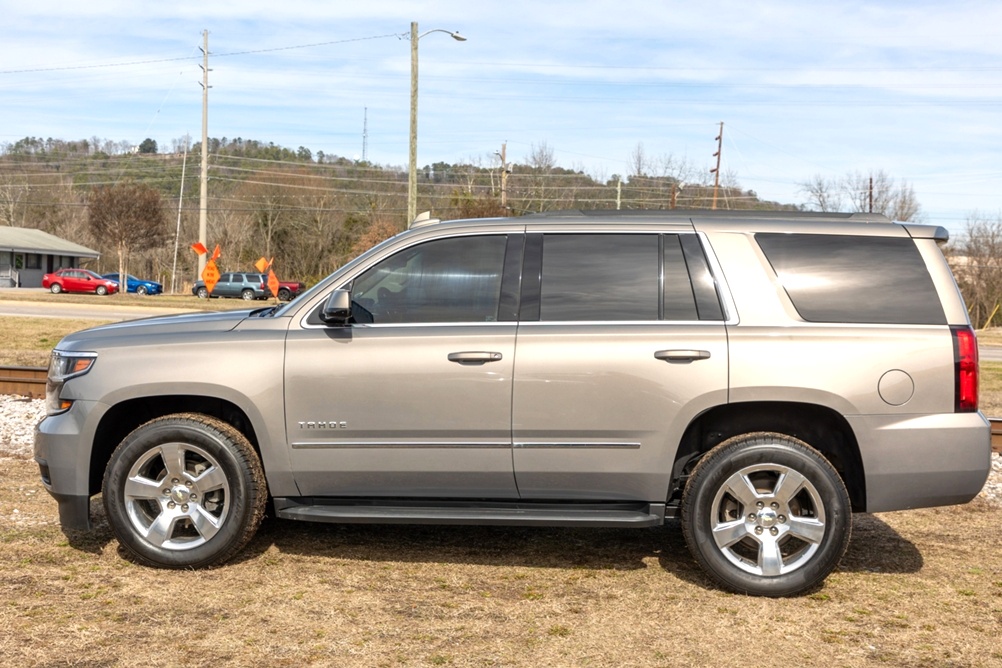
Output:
x=203 y=194
x=619 y=192
x=716 y=170
x=365 y=136
x=871 y=193
x=505 y=170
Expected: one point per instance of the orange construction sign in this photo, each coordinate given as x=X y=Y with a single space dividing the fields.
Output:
x=199 y=248
x=216 y=253
x=210 y=275
x=273 y=283
x=262 y=264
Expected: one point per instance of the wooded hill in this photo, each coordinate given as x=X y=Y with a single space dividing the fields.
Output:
x=311 y=212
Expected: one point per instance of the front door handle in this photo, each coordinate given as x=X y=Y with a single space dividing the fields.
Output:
x=683 y=356
x=474 y=357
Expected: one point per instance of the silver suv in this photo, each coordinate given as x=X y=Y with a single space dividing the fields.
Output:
x=759 y=376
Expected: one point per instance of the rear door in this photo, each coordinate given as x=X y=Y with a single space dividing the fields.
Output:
x=621 y=342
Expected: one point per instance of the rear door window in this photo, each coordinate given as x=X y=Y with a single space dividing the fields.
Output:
x=617 y=277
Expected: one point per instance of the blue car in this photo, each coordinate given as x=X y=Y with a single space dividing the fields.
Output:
x=138 y=285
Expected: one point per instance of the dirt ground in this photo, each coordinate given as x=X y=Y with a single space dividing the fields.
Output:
x=916 y=588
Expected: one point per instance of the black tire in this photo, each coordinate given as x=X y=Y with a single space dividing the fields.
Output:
x=284 y=294
x=55 y=288
x=101 y=290
x=184 y=491
x=203 y=293
x=141 y=290
x=766 y=514
x=247 y=295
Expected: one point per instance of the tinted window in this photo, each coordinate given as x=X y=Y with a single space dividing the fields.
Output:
x=854 y=279
x=447 y=280
x=603 y=277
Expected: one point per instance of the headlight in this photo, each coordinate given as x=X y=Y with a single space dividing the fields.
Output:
x=62 y=367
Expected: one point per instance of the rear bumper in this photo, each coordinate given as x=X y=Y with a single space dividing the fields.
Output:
x=921 y=461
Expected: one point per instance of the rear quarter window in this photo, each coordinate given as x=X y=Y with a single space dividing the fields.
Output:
x=854 y=279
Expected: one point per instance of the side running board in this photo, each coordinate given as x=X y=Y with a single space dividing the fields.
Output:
x=395 y=511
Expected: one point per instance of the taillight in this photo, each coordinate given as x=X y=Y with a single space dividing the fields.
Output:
x=965 y=364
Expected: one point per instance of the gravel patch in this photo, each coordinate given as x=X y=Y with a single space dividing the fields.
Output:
x=18 y=417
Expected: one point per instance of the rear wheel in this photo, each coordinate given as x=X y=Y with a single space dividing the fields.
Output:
x=284 y=294
x=766 y=514
x=247 y=295
x=184 y=491
x=55 y=288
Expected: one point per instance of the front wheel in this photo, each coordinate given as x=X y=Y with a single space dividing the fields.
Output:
x=203 y=293
x=141 y=290
x=184 y=491
x=766 y=514
x=101 y=290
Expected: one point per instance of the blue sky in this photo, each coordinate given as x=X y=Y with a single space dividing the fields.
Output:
x=803 y=88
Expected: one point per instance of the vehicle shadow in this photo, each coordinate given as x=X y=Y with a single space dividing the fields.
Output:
x=875 y=546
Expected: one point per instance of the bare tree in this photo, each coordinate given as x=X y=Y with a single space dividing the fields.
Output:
x=13 y=195
x=977 y=263
x=131 y=215
x=823 y=195
x=874 y=192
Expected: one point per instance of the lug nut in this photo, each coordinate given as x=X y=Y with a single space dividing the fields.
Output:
x=188 y=483
x=781 y=519
x=171 y=505
x=166 y=492
x=752 y=517
x=174 y=480
x=774 y=505
x=193 y=496
x=758 y=530
x=760 y=504
x=185 y=509
x=774 y=531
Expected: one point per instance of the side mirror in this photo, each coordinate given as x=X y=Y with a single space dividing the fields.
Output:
x=337 y=308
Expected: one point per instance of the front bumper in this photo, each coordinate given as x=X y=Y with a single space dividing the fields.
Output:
x=62 y=452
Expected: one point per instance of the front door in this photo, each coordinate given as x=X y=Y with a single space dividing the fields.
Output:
x=413 y=399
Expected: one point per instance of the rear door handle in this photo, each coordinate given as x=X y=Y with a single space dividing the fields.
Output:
x=684 y=356
x=474 y=357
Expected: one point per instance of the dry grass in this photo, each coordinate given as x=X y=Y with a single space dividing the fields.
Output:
x=28 y=341
x=918 y=588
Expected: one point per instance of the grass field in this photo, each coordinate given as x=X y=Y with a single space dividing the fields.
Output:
x=916 y=588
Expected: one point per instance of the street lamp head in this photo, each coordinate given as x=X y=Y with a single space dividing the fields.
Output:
x=456 y=36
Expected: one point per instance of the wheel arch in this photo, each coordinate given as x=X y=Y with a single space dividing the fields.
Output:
x=819 y=426
x=119 y=421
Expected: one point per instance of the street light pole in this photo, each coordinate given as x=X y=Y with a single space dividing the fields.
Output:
x=412 y=163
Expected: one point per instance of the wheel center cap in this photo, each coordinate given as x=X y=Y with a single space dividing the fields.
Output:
x=767 y=517
x=180 y=494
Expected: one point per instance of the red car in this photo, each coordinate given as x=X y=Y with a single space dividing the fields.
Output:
x=78 y=280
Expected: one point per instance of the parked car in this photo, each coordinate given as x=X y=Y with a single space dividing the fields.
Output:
x=78 y=280
x=759 y=376
x=138 y=285
x=288 y=290
x=240 y=285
